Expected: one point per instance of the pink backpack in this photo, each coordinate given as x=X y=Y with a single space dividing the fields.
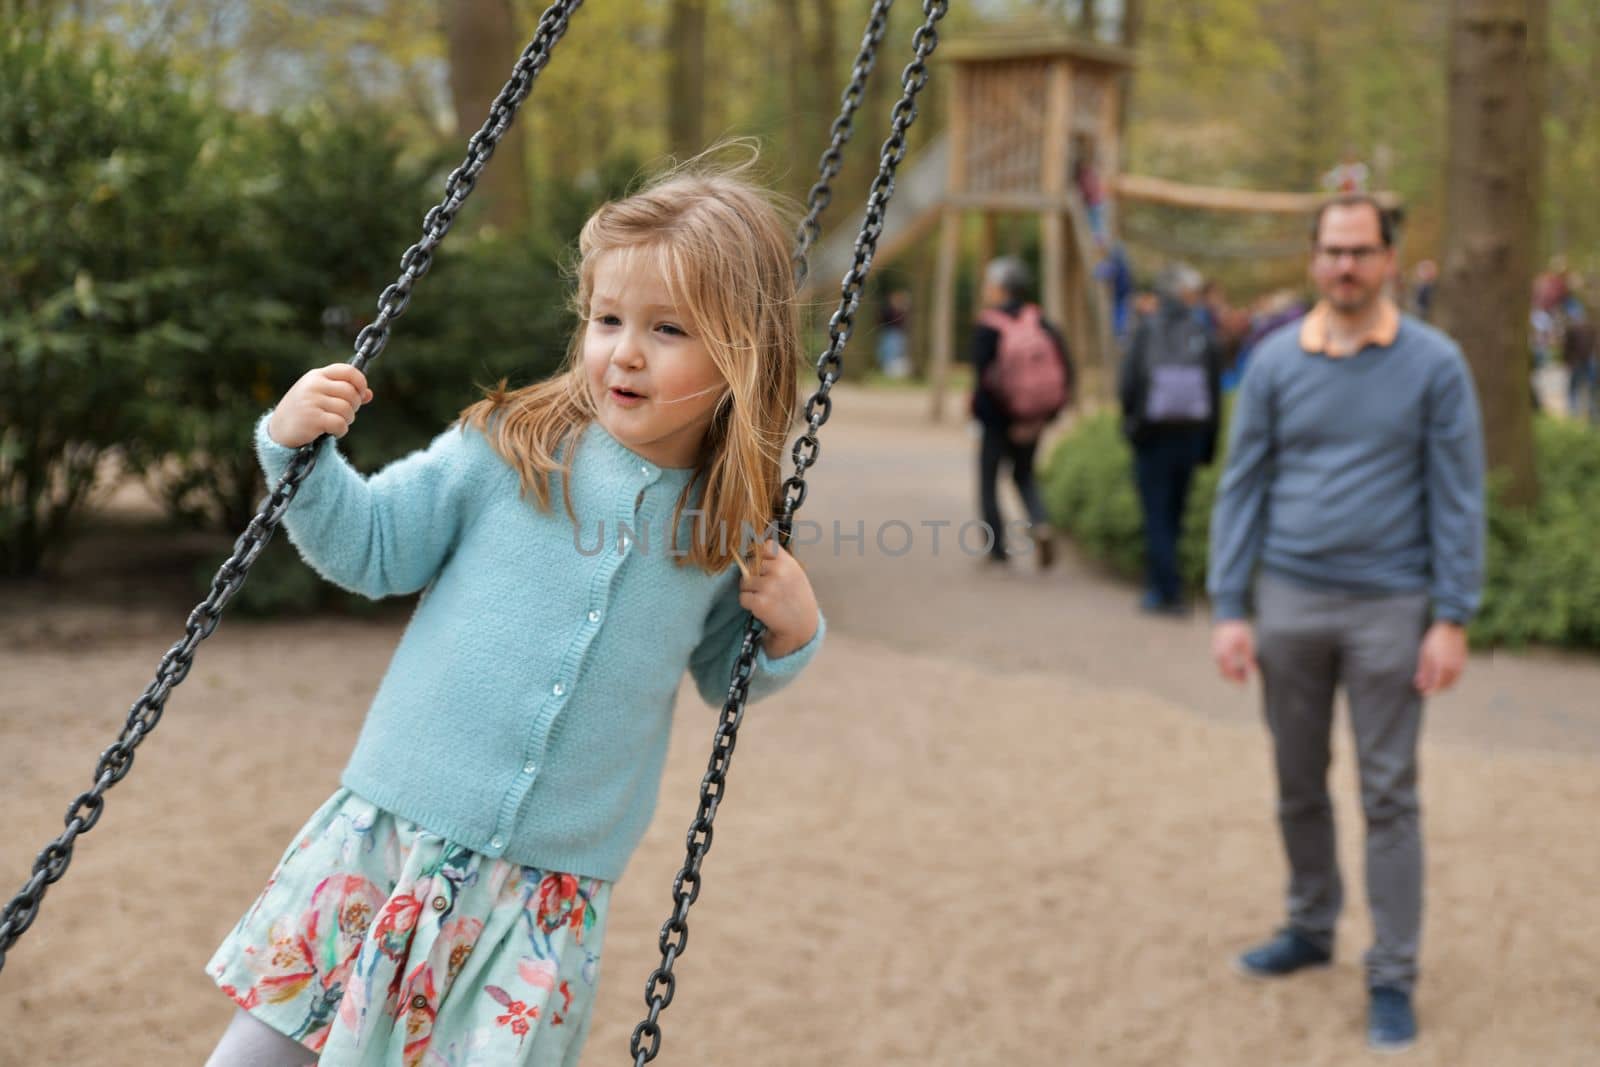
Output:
x=1029 y=374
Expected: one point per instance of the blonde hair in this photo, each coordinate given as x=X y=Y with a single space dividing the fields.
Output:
x=723 y=247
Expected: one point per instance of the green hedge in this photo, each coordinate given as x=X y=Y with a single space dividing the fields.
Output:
x=96 y=165
x=169 y=267
x=1543 y=568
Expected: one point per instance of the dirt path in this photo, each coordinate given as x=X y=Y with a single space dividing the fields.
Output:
x=888 y=464
x=1004 y=820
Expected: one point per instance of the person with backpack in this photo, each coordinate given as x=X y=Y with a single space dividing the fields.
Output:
x=1170 y=388
x=1023 y=378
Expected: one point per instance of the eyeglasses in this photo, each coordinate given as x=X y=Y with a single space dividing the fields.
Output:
x=1358 y=253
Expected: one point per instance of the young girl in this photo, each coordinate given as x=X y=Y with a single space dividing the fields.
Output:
x=446 y=905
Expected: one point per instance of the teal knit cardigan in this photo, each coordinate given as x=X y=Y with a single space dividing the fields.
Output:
x=526 y=711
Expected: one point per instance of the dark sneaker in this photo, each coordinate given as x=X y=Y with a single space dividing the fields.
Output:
x=1285 y=954
x=1391 y=1024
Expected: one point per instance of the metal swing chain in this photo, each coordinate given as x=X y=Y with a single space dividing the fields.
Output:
x=831 y=362
x=821 y=194
x=85 y=811
x=662 y=983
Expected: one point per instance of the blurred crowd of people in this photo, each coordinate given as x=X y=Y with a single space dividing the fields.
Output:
x=1563 y=336
x=1236 y=328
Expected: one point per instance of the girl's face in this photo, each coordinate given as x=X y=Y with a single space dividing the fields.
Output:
x=652 y=380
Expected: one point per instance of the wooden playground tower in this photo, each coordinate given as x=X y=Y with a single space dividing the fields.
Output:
x=1027 y=105
x=1026 y=110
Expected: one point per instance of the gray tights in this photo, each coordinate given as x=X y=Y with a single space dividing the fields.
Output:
x=249 y=1042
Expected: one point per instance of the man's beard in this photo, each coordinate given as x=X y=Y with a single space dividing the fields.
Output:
x=1348 y=296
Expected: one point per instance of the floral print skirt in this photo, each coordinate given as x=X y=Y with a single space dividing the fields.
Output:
x=379 y=944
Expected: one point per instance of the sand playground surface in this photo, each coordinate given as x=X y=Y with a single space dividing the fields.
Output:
x=1004 y=819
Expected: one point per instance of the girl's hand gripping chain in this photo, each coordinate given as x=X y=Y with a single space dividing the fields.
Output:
x=322 y=401
x=780 y=596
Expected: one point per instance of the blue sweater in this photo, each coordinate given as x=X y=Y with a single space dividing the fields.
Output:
x=526 y=711
x=1362 y=474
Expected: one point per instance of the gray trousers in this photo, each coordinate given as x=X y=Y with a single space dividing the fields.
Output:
x=1308 y=643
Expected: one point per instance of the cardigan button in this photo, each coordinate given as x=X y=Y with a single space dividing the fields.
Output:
x=558 y=689
x=594 y=616
x=497 y=842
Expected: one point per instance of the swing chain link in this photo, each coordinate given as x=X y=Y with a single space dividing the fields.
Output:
x=117 y=760
x=821 y=194
x=661 y=985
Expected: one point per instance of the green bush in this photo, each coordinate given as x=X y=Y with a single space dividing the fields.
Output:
x=319 y=237
x=1543 y=576
x=1089 y=492
x=97 y=159
x=168 y=268
x=488 y=310
x=293 y=219
x=1542 y=580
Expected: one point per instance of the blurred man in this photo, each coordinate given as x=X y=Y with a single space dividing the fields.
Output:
x=1579 y=352
x=1272 y=313
x=1424 y=278
x=1355 y=482
x=1114 y=272
x=893 y=326
x=1169 y=386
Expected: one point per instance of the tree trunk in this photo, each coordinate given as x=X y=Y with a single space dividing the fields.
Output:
x=825 y=45
x=1132 y=22
x=1089 y=19
x=1539 y=84
x=484 y=44
x=1491 y=208
x=1314 y=125
x=823 y=79
x=1132 y=27
x=686 y=77
x=791 y=45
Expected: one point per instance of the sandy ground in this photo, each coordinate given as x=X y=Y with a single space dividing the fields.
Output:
x=1004 y=820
